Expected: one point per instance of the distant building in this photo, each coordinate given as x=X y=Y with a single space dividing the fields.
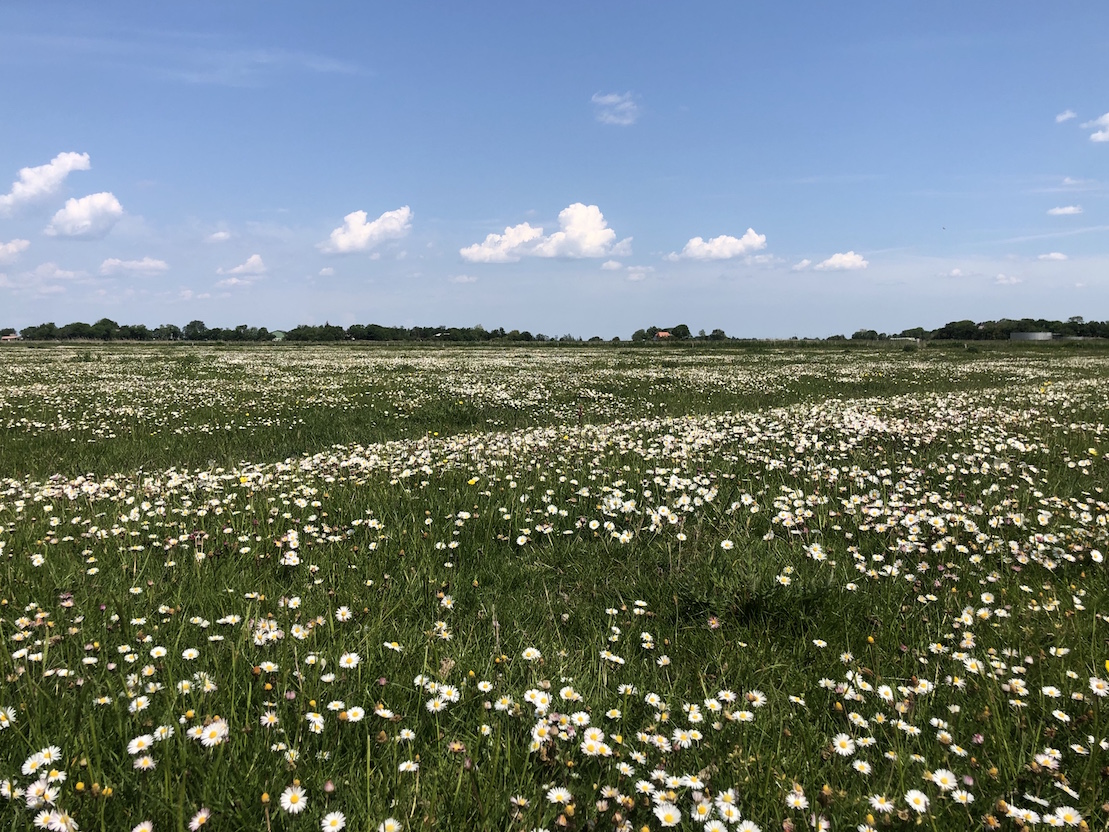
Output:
x=1031 y=336
x=662 y=334
x=12 y=337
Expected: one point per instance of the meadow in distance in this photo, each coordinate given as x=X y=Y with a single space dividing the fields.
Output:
x=776 y=588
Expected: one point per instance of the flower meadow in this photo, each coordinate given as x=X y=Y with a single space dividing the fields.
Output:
x=553 y=588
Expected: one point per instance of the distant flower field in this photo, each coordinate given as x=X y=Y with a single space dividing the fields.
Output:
x=553 y=588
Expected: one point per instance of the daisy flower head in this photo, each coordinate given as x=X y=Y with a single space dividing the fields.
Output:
x=349 y=661
x=559 y=795
x=917 y=800
x=333 y=822
x=294 y=800
x=200 y=819
x=668 y=814
x=530 y=654
x=881 y=803
x=945 y=779
x=843 y=745
x=145 y=826
x=389 y=825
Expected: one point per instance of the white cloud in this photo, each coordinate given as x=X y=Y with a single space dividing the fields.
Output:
x=219 y=236
x=612 y=265
x=36 y=183
x=327 y=271
x=50 y=271
x=229 y=282
x=723 y=247
x=1065 y=211
x=146 y=266
x=9 y=251
x=355 y=234
x=1054 y=255
x=613 y=108
x=800 y=267
x=636 y=273
x=252 y=266
x=1101 y=134
x=462 y=278
x=503 y=248
x=89 y=217
x=956 y=273
x=584 y=233
x=842 y=262
x=1066 y=115
x=1007 y=280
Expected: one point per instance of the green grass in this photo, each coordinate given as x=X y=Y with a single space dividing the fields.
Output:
x=804 y=526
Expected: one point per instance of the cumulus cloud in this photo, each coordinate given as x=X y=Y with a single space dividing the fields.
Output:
x=614 y=108
x=252 y=266
x=1065 y=211
x=583 y=233
x=219 y=236
x=39 y=182
x=637 y=273
x=801 y=266
x=355 y=234
x=503 y=248
x=9 y=251
x=612 y=265
x=89 y=217
x=956 y=273
x=1007 y=280
x=147 y=266
x=723 y=247
x=1054 y=255
x=1101 y=133
x=1066 y=115
x=848 y=261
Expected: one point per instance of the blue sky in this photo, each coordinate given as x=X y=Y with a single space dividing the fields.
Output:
x=772 y=169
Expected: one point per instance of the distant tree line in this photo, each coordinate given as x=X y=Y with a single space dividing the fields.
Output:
x=1075 y=327
x=108 y=330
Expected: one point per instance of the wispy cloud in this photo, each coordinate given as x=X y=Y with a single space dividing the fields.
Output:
x=178 y=56
x=147 y=266
x=1101 y=133
x=1065 y=211
x=1066 y=115
x=615 y=108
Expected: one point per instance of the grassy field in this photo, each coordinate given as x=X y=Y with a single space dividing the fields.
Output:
x=542 y=588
